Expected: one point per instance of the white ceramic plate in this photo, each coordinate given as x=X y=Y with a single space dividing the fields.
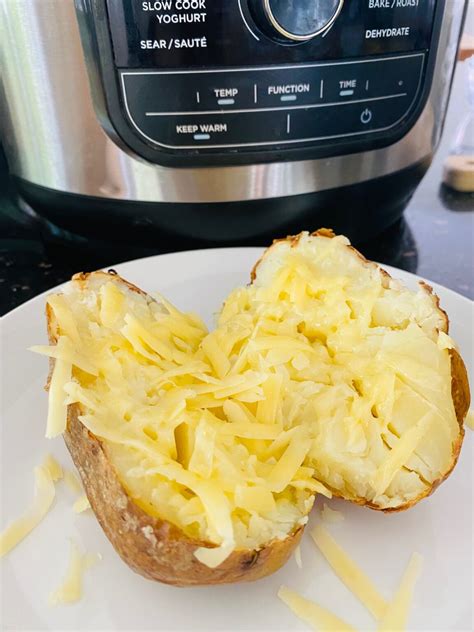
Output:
x=115 y=598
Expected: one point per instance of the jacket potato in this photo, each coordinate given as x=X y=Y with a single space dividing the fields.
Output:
x=201 y=452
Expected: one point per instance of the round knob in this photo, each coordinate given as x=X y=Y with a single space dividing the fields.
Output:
x=296 y=20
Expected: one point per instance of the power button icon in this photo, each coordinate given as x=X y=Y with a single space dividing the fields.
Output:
x=366 y=116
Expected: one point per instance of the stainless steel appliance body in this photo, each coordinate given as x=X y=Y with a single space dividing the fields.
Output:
x=224 y=119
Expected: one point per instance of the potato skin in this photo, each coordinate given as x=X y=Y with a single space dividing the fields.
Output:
x=459 y=381
x=154 y=548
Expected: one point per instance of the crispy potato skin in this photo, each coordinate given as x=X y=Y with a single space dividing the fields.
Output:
x=154 y=548
x=459 y=381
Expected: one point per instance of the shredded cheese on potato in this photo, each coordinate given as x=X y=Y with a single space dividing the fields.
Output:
x=445 y=341
x=320 y=377
x=400 y=454
x=57 y=410
x=214 y=557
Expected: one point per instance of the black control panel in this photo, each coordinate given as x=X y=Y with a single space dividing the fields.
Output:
x=242 y=108
x=195 y=82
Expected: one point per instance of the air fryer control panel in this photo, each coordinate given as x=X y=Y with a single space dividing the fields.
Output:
x=193 y=82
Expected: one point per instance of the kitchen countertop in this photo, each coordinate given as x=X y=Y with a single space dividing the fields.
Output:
x=435 y=239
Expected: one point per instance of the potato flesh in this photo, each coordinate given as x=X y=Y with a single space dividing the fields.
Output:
x=339 y=365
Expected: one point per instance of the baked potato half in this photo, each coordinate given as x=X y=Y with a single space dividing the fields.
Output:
x=405 y=392
x=201 y=453
x=147 y=515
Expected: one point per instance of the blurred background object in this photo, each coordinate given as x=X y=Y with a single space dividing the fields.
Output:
x=434 y=237
x=458 y=171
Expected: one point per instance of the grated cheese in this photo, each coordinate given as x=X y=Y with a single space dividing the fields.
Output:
x=111 y=304
x=57 y=408
x=445 y=341
x=65 y=320
x=20 y=528
x=469 y=421
x=72 y=482
x=201 y=460
x=317 y=617
x=238 y=413
x=331 y=515
x=212 y=558
x=257 y=499
x=67 y=353
x=70 y=589
x=267 y=408
x=137 y=331
x=396 y=615
x=54 y=468
x=81 y=504
x=219 y=361
x=298 y=560
x=400 y=453
x=347 y=570
x=184 y=440
x=286 y=468
x=250 y=431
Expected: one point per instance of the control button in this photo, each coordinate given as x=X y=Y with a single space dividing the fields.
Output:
x=224 y=91
x=347 y=87
x=366 y=116
x=289 y=87
x=296 y=21
x=372 y=79
x=347 y=119
x=212 y=130
x=190 y=92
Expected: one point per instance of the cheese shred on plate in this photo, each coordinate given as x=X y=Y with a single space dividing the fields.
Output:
x=398 y=609
x=311 y=613
x=72 y=482
x=298 y=559
x=70 y=589
x=54 y=468
x=348 y=571
x=321 y=376
x=43 y=499
x=469 y=422
x=331 y=515
x=81 y=504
